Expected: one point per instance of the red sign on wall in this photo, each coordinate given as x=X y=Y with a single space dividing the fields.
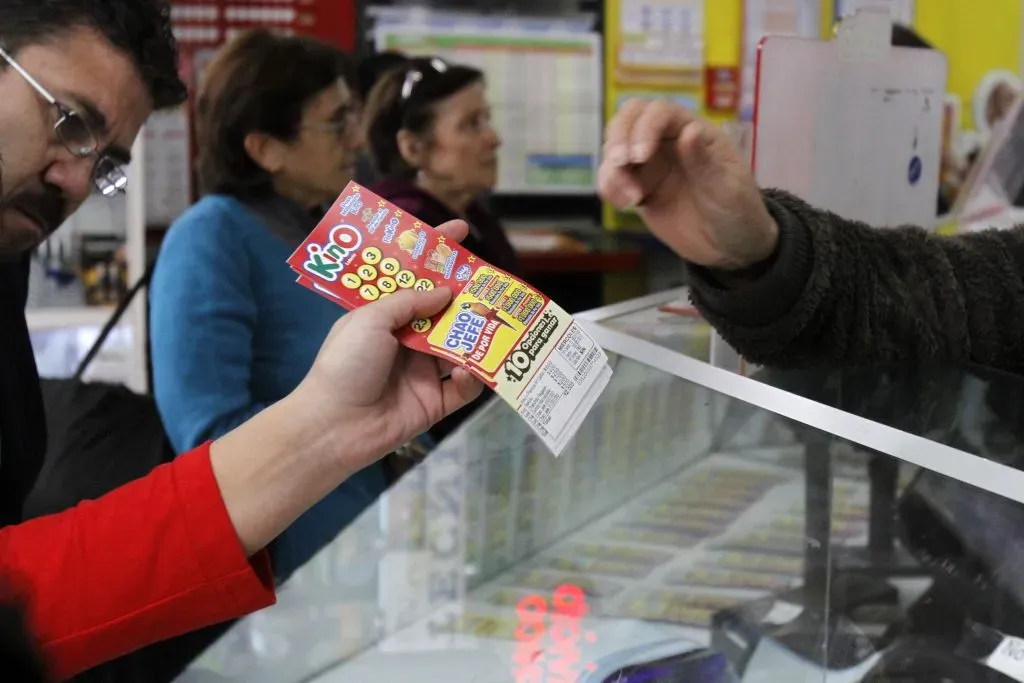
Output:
x=214 y=21
x=722 y=89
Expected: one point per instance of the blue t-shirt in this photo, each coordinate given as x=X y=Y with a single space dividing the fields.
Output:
x=231 y=333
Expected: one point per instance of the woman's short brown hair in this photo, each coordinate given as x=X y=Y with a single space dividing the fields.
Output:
x=258 y=82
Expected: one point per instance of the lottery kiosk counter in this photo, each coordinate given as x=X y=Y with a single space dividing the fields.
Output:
x=703 y=527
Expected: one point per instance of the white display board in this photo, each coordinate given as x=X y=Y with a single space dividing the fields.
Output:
x=545 y=91
x=852 y=128
x=661 y=34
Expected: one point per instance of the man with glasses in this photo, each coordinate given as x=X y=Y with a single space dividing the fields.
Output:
x=181 y=548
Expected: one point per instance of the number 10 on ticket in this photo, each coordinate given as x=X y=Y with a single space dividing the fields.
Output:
x=516 y=340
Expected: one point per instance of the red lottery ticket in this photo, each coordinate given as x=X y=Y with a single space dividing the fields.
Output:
x=511 y=336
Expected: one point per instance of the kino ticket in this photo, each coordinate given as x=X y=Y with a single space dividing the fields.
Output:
x=516 y=340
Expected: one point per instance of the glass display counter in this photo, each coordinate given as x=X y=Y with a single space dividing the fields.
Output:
x=703 y=527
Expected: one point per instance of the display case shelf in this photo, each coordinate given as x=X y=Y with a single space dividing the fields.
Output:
x=58 y=318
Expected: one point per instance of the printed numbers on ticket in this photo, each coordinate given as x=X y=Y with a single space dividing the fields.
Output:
x=508 y=334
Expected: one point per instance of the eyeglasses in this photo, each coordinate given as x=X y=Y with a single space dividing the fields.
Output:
x=339 y=126
x=415 y=76
x=74 y=133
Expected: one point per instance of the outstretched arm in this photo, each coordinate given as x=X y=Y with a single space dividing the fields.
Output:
x=839 y=291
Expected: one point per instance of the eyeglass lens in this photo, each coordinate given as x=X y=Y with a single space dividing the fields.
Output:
x=75 y=134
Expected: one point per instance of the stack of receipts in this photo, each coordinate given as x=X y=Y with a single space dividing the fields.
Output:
x=509 y=335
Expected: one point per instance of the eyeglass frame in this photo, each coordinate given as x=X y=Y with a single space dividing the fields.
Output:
x=109 y=183
x=337 y=128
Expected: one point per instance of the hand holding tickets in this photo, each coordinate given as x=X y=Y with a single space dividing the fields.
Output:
x=510 y=336
x=390 y=392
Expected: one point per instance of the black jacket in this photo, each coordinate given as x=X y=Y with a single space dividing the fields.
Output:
x=840 y=292
x=22 y=422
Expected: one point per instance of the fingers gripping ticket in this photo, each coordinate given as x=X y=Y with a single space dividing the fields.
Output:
x=498 y=328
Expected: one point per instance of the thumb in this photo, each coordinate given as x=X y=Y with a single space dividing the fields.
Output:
x=455 y=230
x=694 y=146
x=400 y=309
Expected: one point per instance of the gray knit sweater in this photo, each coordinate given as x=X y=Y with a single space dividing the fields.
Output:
x=841 y=292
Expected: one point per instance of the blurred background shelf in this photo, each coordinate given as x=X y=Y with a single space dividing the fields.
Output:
x=44 y=319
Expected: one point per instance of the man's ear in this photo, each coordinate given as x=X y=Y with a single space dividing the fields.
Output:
x=266 y=150
x=412 y=148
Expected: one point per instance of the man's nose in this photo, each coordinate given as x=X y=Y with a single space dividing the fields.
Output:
x=74 y=177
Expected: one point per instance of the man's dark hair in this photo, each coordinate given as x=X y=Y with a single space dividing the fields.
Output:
x=387 y=112
x=139 y=28
x=260 y=82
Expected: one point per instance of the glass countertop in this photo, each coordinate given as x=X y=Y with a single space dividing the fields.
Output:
x=855 y=525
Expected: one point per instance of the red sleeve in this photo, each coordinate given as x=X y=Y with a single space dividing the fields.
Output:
x=148 y=561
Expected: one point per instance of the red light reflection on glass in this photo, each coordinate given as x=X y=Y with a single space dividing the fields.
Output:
x=548 y=637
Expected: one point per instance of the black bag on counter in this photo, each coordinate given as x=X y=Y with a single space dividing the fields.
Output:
x=99 y=435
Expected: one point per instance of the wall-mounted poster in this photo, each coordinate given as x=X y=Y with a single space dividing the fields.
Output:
x=661 y=42
x=902 y=10
x=771 y=17
x=545 y=90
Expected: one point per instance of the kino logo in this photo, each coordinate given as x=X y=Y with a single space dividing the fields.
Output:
x=326 y=261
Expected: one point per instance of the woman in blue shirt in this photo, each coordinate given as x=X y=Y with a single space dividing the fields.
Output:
x=231 y=332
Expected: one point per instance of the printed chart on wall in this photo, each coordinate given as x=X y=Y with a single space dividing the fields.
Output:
x=545 y=93
x=902 y=10
x=772 y=17
x=661 y=42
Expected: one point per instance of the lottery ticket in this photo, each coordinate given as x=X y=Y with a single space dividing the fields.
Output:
x=617 y=568
x=594 y=587
x=619 y=553
x=730 y=579
x=666 y=537
x=516 y=340
x=680 y=608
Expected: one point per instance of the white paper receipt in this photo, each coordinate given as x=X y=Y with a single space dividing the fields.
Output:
x=1008 y=658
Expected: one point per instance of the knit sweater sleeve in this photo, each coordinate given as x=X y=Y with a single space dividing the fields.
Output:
x=842 y=292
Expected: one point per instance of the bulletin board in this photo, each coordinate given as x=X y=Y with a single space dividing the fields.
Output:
x=545 y=94
x=860 y=138
x=724 y=93
x=201 y=27
x=902 y=11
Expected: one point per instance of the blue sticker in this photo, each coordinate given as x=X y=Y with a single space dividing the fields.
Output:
x=463 y=273
x=914 y=172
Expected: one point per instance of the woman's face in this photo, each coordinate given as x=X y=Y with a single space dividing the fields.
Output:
x=1000 y=102
x=463 y=147
x=316 y=166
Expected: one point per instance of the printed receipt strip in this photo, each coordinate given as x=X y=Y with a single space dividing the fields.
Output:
x=515 y=339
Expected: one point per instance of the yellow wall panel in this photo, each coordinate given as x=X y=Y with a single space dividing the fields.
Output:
x=977 y=37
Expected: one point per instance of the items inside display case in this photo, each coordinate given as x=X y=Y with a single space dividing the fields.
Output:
x=683 y=536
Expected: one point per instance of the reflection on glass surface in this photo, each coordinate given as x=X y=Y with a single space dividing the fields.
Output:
x=675 y=325
x=683 y=536
x=59 y=351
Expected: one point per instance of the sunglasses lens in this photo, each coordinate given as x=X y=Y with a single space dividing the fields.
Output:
x=75 y=135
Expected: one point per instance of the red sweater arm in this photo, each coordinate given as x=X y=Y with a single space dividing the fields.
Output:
x=148 y=561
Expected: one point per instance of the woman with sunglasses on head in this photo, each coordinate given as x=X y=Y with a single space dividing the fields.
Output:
x=232 y=333
x=428 y=125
